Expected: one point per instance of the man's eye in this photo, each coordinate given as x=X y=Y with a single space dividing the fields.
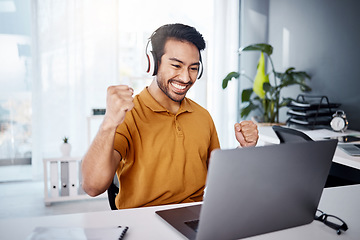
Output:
x=176 y=66
x=194 y=68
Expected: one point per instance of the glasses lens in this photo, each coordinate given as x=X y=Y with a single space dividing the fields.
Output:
x=335 y=223
x=334 y=220
x=319 y=214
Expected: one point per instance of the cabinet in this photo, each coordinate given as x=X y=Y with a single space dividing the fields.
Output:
x=62 y=180
x=62 y=176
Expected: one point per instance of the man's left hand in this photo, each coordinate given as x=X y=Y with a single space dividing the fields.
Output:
x=246 y=133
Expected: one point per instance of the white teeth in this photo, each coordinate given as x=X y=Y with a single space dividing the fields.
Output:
x=178 y=86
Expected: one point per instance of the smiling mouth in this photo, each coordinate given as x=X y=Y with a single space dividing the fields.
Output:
x=179 y=88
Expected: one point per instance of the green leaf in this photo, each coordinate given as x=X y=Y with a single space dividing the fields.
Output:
x=305 y=88
x=267 y=87
x=263 y=47
x=285 y=102
x=278 y=74
x=289 y=70
x=301 y=75
x=245 y=95
x=290 y=77
x=228 y=78
x=245 y=111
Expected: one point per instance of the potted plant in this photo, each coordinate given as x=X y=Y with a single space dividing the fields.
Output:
x=65 y=147
x=265 y=96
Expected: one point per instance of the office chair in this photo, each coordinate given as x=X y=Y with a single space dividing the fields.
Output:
x=339 y=175
x=112 y=191
x=287 y=135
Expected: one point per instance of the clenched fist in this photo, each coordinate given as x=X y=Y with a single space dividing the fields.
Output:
x=119 y=100
x=246 y=133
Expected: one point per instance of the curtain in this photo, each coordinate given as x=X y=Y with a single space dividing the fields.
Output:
x=224 y=104
x=80 y=47
x=74 y=49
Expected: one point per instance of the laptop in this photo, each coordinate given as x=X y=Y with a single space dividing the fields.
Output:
x=351 y=149
x=257 y=190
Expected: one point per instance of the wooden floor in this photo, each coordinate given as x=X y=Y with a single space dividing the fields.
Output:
x=26 y=199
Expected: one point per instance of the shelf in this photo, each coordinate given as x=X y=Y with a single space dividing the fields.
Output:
x=62 y=180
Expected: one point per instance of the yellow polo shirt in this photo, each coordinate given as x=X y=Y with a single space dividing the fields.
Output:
x=164 y=155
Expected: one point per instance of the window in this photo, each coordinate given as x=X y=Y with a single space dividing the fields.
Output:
x=15 y=90
x=79 y=48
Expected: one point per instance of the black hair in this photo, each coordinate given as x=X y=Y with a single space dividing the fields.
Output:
x=176 y=31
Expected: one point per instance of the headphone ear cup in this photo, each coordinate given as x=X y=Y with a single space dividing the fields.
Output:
x=151 y=63
x=200 y=71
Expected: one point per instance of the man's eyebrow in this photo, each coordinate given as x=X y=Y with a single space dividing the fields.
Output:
x=179 y=61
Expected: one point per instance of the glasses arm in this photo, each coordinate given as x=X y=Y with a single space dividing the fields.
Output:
x=324 y=218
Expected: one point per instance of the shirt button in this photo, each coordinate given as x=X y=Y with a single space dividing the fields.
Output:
x=179 y=128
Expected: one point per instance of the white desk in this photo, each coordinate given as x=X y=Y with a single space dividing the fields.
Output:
x=343 y=202
x=268 y=136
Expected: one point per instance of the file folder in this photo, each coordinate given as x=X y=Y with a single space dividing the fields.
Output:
x=73 y=178
x=64 y=191
x=54 y=179
x=80 y=190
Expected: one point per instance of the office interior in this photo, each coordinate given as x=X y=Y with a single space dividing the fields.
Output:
x=58 y=57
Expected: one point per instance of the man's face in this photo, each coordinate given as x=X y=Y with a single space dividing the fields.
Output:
x=178 y=69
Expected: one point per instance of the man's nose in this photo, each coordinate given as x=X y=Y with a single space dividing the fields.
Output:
x=185 y=76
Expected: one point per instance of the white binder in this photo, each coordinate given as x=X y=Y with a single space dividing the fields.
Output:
x=73 y=177
x=54 y=179
x=80 y=189
x=64 y=191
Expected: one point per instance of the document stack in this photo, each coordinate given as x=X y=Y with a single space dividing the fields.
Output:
x=311 y=111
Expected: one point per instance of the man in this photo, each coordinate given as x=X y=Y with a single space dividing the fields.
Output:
x=158 y=142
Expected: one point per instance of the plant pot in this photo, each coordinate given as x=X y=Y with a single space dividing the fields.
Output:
x=258 y=122
x=65 y=149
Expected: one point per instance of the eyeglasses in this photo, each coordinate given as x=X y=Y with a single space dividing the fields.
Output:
x=331 y=221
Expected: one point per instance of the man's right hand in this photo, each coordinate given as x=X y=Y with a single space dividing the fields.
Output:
x=119 y=100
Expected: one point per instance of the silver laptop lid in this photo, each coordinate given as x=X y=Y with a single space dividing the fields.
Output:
x=252 y=191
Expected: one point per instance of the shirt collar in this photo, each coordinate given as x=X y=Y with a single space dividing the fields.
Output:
x=151 y=103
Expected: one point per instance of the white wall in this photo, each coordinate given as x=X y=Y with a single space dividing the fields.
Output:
x=324 y=39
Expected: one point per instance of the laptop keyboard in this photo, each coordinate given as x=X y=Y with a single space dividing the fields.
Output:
x=193 y=224
x=353 y=147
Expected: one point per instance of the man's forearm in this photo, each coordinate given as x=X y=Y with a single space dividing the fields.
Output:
x=99 y=163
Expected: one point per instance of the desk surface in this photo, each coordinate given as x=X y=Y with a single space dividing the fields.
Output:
x=343 y=202
x=268 y=136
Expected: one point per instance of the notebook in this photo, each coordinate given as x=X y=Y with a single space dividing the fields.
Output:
x=257 y=190
x=78 y=233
